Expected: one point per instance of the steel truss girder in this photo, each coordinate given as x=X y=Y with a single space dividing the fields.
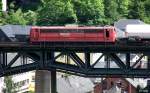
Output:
x=45 y=60
x=137 y=61
x=13 y=61
x=117 y=60
x=76 y=59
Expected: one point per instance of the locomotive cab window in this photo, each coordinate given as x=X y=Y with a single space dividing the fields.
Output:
x=107 y=33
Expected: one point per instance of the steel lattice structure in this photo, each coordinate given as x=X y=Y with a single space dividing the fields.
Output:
x=44 y=58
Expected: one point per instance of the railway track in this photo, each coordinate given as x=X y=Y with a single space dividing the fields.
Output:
x=64 y=44
x=12 y=43
x=23 y=46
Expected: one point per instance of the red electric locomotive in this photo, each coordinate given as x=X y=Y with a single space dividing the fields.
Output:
x=72 y=34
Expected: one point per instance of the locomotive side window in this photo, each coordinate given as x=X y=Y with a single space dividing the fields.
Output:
x=107 y=33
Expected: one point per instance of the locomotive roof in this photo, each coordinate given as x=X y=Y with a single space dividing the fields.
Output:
x=70 y=27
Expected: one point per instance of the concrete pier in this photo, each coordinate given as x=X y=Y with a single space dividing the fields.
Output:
x=45 y=81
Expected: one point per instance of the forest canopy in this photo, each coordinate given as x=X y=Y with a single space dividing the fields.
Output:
x=82 y=12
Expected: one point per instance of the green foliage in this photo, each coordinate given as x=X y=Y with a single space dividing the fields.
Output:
x=122 y=7
x=89 y=12
x=30 y=17
x=83 y=12
x=56 y=12
x=10 y=88
x=137 y=10
x=0 y=13
x=18 y=17
x=147 y=11
x=15 y=18
x=110 y=11
x=0 y=6
x=1 y=23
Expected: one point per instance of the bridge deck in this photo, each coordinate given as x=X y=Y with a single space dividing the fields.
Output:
x=115 y=48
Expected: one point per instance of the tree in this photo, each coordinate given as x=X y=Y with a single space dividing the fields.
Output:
x=9 y=85
x=15 y=18
x=56 y=12
x=18 y=17
x=89 y=12
x=0 y=13
x=111 y=11
x=0 y=6
x=137 y=10
x=122 y=7
x=147 y=11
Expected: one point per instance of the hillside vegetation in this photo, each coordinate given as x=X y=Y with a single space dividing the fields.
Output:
x=83 y=12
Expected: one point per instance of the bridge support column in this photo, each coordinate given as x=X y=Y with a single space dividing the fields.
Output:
x=53 y=82
x=45 y=81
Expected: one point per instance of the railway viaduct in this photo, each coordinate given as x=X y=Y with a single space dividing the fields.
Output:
x=44 y=58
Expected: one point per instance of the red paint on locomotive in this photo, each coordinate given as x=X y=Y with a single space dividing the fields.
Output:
x=72 y=34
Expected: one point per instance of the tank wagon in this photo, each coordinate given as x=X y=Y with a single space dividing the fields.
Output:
x=138 y=32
